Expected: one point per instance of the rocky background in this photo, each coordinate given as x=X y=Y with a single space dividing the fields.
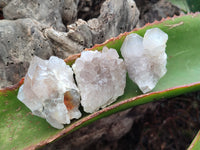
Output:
x=65 y=27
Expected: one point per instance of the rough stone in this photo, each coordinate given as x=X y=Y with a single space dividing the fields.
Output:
x=62 y=44
x=101 y=78
x=42 y=34
x=151 y=10
x=3 y=3
x=89 y=9
x=19 y=41
x=114 y=18
x=145 y=58
x=44 y=88
x=47 y=12
x=82 y=34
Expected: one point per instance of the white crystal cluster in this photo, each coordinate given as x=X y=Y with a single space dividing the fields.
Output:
x=145 y=58
x=101 y=78
x=43 y=91
x=50 y=92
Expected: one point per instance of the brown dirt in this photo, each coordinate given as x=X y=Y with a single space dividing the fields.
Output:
x=171 y=125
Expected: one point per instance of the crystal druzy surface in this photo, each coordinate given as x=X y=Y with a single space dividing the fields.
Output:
x=101 y=78
x=145 y=58
x=45 y=84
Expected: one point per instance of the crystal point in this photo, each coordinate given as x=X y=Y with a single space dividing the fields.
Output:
x=145 y=58
x=101 y=78
x=154 y=38
x=43 y=91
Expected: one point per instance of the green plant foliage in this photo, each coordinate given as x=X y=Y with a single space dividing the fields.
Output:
x=194 y=5
x=19 y=129
x=195 y=145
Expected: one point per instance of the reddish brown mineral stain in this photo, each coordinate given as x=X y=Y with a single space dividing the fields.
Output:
x=68 y=100
x=72 y=58
x=14 y=87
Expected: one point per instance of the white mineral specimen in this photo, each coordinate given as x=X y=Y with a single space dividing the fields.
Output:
x=43 y=91
x=101 y=78
x=145 y=58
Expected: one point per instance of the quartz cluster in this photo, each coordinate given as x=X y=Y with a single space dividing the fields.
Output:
x=45 y=86
x=145 y=58
x=50 y=92
x=101 y=78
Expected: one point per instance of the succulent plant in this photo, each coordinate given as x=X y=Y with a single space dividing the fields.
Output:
x=22 y=130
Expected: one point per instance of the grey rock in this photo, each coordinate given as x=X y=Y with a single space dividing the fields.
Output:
x=88 y=9
x=61 y=43
x=42 y=35
x=115 y=18
x=151 y=10
x=3 y=3
x=19 y=41
x=69 y=10
x=47 y=11
x=50 y=12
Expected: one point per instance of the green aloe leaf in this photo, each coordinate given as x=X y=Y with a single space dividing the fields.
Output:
x=195 y=145
x=20 y=130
